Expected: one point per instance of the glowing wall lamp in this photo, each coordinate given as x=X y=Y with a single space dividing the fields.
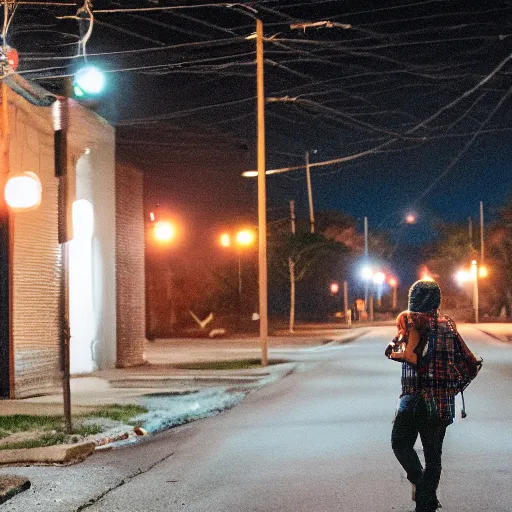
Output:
x=23 y=191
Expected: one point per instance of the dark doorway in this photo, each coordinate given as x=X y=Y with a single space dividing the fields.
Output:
x=4 y=305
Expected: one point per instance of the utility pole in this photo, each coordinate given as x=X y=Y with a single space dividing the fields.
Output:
x=60 y=116
x=366 y=238
x=291 y=268
x=262 y=200
x=348 y=311
x=481 y=233
x=474 y=271
x=310 y=195
x=6 y=276
x=366 y=262
x=470 y=226
x=292 y=216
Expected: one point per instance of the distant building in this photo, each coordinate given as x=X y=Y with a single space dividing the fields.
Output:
x=106 y=254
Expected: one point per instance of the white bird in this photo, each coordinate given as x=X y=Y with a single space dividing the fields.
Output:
x=202 y=323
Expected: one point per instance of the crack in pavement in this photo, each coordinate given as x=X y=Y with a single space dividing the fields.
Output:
x=129 y=478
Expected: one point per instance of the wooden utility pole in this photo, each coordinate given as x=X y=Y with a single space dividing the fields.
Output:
x=310 y=195
x=470 y=234
x=6 y=341
x=292 y=216
x=366 y=262
x=60 y=116
x=481 y=233
x=291 y=268
x=262 y=198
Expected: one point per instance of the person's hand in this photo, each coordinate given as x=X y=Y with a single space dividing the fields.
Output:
x=389 y=349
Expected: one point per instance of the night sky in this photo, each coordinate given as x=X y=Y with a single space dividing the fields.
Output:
x=421 y=88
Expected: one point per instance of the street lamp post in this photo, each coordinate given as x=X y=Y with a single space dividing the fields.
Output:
x=474 y=273
x=243 y=238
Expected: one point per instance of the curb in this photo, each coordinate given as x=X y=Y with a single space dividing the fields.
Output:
x=503 y=339
x=56 y=454
x=10 y=485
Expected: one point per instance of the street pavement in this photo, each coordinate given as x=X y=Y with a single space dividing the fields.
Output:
x=316 y=441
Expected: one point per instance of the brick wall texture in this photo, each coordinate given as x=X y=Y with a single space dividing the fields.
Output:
x=36 y=264
x=130 y=288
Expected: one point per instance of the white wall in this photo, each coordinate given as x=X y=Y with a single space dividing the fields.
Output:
x=95 y=182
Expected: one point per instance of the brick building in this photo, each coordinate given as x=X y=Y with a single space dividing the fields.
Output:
x=106 y=254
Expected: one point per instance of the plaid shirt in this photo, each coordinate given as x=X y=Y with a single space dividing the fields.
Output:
x=435 y=377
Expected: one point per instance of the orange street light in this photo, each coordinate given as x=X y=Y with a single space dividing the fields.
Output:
x=164 y=231
x=225 y=240
x=245 y=237
x=242 y=238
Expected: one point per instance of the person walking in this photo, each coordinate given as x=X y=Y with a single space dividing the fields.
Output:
x=429 y=347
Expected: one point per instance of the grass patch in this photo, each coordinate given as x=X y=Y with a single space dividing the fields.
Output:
x=49 y=439
x=241 y=364
x=52 y=427
x=25 y=422
x=116 y=412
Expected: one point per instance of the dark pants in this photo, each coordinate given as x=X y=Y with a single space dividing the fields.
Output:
x=411 y=419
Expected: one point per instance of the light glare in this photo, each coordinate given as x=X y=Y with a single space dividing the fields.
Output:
x=366 y=273
x=225 y=240
x=88 y=80
x=379 y=277
x=23 y=192
x=245 y=237
x=164 y=231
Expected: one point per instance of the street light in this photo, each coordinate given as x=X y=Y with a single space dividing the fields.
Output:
x=164 y=231
x=473 y=275
x=242 y=238
x=394 y=297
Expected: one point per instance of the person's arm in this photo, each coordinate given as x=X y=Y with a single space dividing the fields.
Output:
x=408 y=355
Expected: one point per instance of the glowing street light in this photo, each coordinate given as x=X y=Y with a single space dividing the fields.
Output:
x=245 y=237
x=379 y=277
x=164 y=231
x=335 y=288
x=225 y=240
x=473 y=275
x=367 y=273
x=242 y=238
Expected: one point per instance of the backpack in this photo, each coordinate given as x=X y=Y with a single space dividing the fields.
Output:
x=466 y=363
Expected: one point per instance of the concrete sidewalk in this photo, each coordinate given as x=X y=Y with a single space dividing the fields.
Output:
x=161 y=374
x=164 y=388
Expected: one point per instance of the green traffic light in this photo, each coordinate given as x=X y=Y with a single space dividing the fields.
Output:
x=88 y=81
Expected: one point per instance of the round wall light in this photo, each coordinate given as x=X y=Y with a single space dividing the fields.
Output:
x=23 y=191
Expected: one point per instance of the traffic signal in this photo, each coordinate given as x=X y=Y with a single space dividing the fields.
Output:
x=88 y=81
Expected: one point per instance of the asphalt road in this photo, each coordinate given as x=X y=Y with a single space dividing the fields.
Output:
x=317 y=441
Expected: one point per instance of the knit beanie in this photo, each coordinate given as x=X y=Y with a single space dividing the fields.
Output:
x=424 y=297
